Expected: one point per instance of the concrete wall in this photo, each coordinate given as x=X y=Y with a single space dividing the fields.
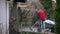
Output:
x=4 y=17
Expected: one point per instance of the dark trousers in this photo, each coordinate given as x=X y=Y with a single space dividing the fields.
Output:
x=41 y=24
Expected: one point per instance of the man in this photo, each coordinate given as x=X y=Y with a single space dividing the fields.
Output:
x=42 y=17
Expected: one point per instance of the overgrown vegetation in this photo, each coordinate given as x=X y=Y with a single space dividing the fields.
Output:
x=57 y=17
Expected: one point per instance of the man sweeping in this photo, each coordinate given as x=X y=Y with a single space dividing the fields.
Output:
x=41 y=15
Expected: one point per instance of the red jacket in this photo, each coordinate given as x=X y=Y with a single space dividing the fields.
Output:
x=41 y=14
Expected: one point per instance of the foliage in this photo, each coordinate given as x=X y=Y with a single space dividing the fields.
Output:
x=57 y=17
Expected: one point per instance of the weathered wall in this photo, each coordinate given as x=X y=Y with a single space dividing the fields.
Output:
x=3 y=17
